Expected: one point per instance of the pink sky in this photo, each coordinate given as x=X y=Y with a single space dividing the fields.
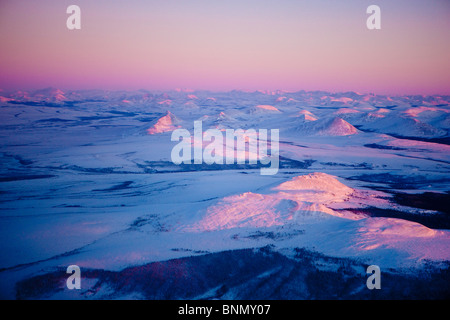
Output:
x=224 y=45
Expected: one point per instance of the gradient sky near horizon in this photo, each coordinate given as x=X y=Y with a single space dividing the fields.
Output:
x=224 y=45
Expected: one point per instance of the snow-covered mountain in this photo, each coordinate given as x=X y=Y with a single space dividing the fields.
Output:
x=333 y=126
x=167 y=123
x=87 y=179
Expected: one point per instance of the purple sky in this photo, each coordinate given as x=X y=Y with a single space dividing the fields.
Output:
x=224 y=45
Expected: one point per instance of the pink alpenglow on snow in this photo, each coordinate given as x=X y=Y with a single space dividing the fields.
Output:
x=165 y=124
x=307 y=115
x=414 y=112
x=309 y=193
x=311 y=201
x=418 y=241
x=246 y=210
x=332 y=127
x=343 y=100
x=267 y=107
x=339 y=127
x=316 y=181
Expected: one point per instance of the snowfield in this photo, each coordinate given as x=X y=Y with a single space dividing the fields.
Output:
x=87 y=179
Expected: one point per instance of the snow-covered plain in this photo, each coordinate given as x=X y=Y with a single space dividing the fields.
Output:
x=87 y=179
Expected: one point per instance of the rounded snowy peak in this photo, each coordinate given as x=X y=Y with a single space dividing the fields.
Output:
x=326 y=127
x=317 y=181
x=264 y=108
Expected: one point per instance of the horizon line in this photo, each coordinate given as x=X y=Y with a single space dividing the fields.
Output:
x=191 y=90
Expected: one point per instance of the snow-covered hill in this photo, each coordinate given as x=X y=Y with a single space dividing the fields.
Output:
x=334 y=126
x=169 y=122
